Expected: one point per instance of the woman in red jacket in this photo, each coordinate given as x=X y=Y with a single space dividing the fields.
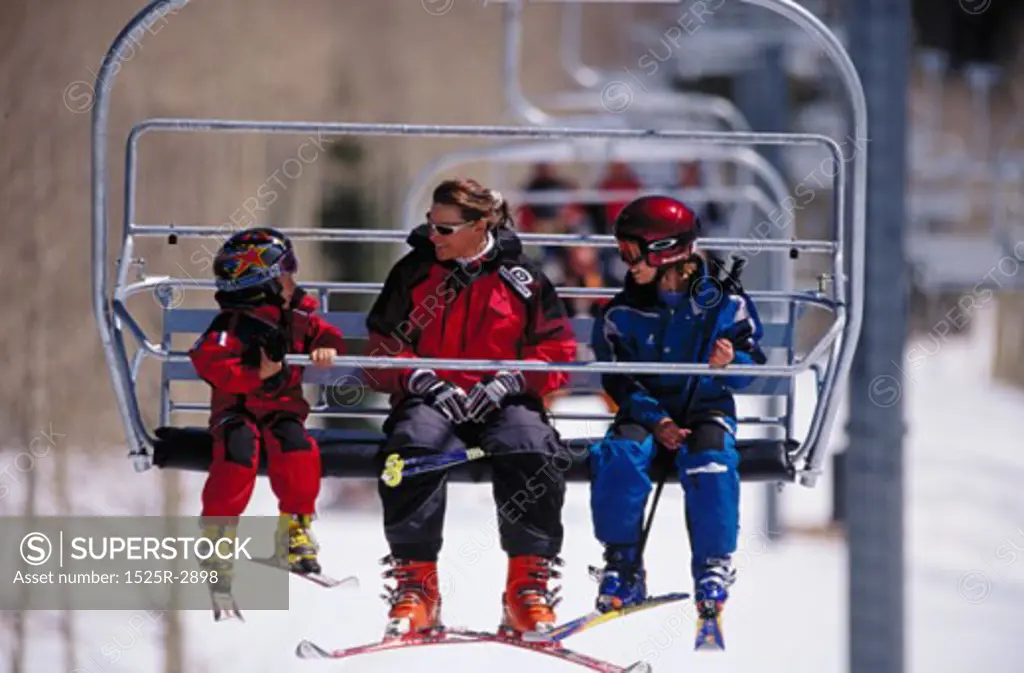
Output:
x=256 y=398
x=466 y=291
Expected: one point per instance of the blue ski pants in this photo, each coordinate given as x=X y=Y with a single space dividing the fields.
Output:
x=708 y=469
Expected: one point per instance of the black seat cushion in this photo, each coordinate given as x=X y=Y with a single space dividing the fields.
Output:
x=351 y=454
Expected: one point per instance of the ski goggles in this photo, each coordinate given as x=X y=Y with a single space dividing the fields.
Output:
x=655 y=253
x=289 y=262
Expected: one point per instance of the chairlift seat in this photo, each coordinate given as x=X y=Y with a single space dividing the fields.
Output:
x=353 y=454
x=347 y=453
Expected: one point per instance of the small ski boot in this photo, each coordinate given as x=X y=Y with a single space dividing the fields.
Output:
x=623 y=579
x=415 y=600
x=296 y=547
x=712 y=590
x=528 y=605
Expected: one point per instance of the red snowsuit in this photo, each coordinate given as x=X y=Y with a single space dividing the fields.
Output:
x=248 y=414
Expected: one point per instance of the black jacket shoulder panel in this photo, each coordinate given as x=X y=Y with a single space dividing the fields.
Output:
x=636 y=295
x=244 y=326
x=523 y=276
x=394 y=303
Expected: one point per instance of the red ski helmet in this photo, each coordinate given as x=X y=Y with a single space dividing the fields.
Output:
x=657 y=230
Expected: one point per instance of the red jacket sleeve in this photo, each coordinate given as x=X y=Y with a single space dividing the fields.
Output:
x=319 y=332
x=325 y=335
x=387 y=380
x=549 y=337
x=217 y=357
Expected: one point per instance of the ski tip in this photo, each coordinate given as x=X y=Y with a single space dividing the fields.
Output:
x=703 y=647
x=639 y=667
x=308 y=650
x=237 y=617
x=351 y=582
x=709 y=643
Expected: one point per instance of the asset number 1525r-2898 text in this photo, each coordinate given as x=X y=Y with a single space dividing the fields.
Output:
x=170 y=577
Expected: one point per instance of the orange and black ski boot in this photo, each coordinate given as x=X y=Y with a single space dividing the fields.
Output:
x=528 y=605
x=415 y=600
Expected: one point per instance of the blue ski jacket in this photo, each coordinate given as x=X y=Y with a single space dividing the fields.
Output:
x=640 y=325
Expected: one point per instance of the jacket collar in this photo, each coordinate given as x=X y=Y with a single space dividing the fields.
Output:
x=507 y=247
x=647 y=296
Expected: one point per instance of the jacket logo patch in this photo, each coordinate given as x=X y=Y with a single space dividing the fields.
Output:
x=519 y=278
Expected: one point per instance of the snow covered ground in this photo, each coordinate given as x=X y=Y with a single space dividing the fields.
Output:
x=965 y=588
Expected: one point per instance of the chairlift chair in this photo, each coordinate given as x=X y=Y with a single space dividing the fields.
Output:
x=351 y=454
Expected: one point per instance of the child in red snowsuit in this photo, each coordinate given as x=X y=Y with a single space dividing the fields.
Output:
x=257 y=399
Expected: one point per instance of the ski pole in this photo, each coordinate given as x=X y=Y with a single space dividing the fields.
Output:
x=730 y=284
x=397 y=468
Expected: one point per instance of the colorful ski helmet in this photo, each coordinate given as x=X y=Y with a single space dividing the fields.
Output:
x=657 y=230
x=254 y=258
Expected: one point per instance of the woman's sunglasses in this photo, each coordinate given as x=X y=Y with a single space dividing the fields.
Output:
x=448 y=229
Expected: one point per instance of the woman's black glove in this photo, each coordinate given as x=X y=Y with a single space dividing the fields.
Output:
x=447 y=398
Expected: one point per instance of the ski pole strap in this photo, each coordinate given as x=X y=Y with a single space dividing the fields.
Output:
x=397 y=468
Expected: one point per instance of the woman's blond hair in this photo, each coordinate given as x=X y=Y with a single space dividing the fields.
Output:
x=475 y=201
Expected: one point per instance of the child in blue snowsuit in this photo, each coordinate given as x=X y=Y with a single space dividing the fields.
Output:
x=656 y=319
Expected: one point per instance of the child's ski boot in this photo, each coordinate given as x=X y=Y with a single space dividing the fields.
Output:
x=712 y=590
x=623 y=579
x=296 y=548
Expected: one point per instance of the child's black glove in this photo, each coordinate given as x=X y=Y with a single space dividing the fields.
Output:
x=269 y=340
x=274 y=344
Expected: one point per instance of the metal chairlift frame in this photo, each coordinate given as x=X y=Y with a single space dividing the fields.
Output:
x=652 y=106
x=646 y=109
x=736 y=38
x=571 y=47
x=751 y=163
x=659 y=102
x=113 y=318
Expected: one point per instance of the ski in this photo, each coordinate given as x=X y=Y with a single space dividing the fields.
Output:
x=596 y=618
x=326 y=581
x=224 y=606
x=709 y=632
x=456 y=636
